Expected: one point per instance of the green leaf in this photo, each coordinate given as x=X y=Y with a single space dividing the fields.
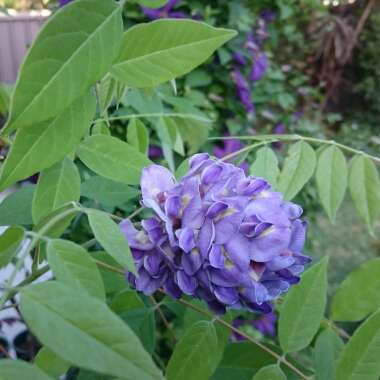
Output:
x=50 y=363
x=303 y=309
x=138 y=136
x=130 y=307
x=4 y=99
x=50 y=77
x=331 y=177
x=25 y=157
x=298 y=169
x=327 y=349
x=72 y=265
x=106 y=90
x=109 y=235
x=266 y=165
x=358 y=295
x=364 y=184
x=162 y=50
x=83 y=331
x=10 y=241
x=198 y=345
x=182 y=169
x=360 y=358
x=16 y=208
x=152 y=3
x=271 y=372
x=20 y=370
x=107 y=192
x=57 y=186
x=113 y=159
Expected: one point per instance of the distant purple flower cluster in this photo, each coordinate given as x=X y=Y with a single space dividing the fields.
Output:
x=64 y=2
x=257 y=59
x=164 y=12
x=265 y=324
x=217 y=235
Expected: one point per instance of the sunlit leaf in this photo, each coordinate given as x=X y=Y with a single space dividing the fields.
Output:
x=10 y=241
x=20 y=370
x=61 y=63
x=159 y=51
x=266 y=165
x=138 y=135
x=50 y=363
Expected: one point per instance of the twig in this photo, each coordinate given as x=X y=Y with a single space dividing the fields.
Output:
x=4 y=351
x=163 y=318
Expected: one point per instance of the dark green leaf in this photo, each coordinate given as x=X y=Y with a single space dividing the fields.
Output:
x=107 y=192
x=271 y=372
x=10 y=241
x=20 y=370
x=331 y=177
x=327 y=349
x=358 y=295
x=57 y=186
x=159 y=51
x=72 y=265
x=16 y=208
x=109 y=235
x=360 y=358
x=266 y=165
x=113 y=158
x=364 y=186
x=152 y=3
x=198 y=345
x=83 y=331
x=25 y=157
x=298 y=169
x=51 y=78
x=303 y=309
x=129 y=306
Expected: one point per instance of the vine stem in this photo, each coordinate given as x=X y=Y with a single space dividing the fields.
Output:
x=279 y=358
x=154 y=114
x=294 y=137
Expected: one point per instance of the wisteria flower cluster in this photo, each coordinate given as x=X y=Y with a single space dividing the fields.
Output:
x=218 y=235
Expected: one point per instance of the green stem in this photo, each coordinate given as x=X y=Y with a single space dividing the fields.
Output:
x=297 y=138
x=155 y=114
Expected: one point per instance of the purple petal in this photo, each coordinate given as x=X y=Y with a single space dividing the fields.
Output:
x=186 y=283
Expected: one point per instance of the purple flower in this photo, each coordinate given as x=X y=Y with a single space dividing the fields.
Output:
x=217 y=235
x=259 y=67
x=243 y=91
x=164 y=12
x=239 y=58
x=64 y=2
x=230 y=146
x=265 y=324
x=279 y=129
x=154 y=151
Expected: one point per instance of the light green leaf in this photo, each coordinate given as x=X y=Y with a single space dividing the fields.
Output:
x=50 y=363
x=327 y=349
x=83 y=331
x=303 y=309
x=364 y=186
x=20 y=370
x=58 y=185
x=113 y=158
x=130 y=307
x=100 y=128
x=358 y=295
x=266 y=165
x=72 y=265
x=106 y=90
x=138 y=135
x=198 y=345
x=298 y=169
x=25 y=157
x=331 y=177
x=109 y=235
x=162 y=50
x=10 y=241
x=152 y=3
x=107 y=192
x=360 y=358
x=169 y=133
x=182 y=169
x=16 y=208
x=271 y=372
x=4 y=99
x=51 y=77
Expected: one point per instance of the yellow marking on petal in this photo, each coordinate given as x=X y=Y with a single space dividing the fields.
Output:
x=142 y=237
x=195 y=251
x=267 y=232
x=229 y=211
